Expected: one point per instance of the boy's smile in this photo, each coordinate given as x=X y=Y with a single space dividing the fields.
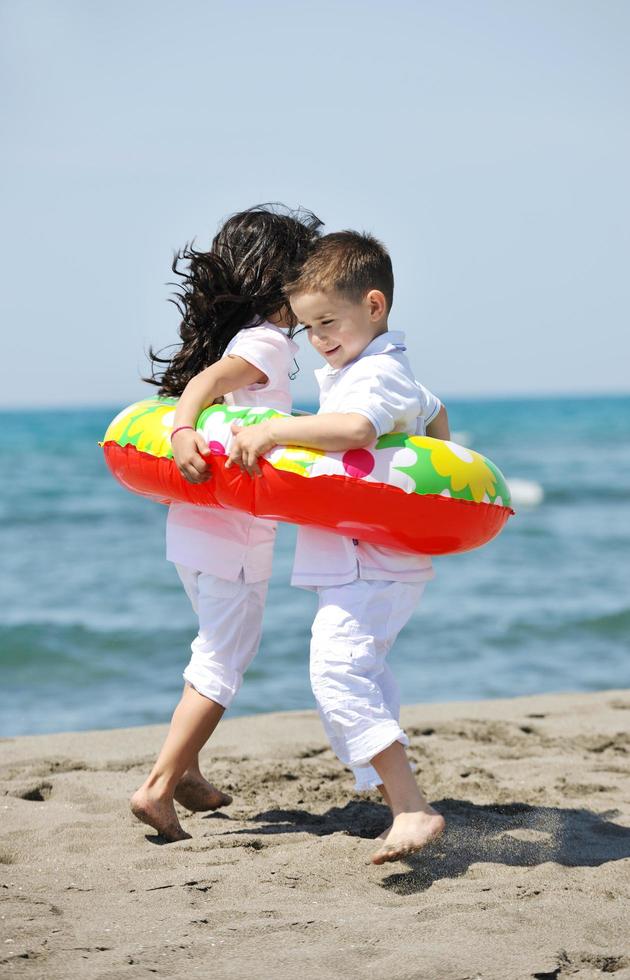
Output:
x=339 y=328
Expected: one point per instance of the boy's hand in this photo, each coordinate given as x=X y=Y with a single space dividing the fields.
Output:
x=248 y=444
x=189 y=449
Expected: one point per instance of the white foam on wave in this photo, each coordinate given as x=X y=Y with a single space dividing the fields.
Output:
x=462 y=437
x=526 y=493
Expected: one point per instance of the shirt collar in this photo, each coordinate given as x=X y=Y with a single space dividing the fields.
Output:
x=385 y=343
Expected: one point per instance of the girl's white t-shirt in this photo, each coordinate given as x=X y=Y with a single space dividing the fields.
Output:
x=223 y=542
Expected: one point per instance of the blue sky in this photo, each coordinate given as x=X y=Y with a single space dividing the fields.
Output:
x=485 y=143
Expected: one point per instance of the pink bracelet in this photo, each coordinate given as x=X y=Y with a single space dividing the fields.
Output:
x=179 y=429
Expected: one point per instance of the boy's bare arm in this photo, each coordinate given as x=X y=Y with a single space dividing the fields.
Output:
x=332 y=432
x=439 y=427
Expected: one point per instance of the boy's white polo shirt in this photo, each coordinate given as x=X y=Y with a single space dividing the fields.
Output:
x=380 y=385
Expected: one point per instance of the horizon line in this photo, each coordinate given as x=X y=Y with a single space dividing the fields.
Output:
x=475 y=397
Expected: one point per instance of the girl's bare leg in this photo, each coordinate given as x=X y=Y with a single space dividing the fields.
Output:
x=416 y=823
x=193 y=722
x=196 y=793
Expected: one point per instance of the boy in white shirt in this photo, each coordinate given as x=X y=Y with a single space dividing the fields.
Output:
x=342 y=295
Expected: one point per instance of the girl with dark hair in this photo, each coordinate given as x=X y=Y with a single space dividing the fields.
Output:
x=236 y=346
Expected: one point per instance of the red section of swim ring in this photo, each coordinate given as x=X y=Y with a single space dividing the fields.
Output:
x=374 y=512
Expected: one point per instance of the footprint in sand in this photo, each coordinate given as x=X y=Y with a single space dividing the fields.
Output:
x=38 y=793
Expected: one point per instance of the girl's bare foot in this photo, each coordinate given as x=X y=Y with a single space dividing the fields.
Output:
x=159 y=814
x=197 y=794
x=409 y=832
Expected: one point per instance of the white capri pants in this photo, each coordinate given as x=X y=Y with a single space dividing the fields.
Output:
x=356 y=693
x=230 y=623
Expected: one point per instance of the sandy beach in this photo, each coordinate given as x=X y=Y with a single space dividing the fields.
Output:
x=531 y=881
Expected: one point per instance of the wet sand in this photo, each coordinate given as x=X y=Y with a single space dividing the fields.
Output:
x=532 y=879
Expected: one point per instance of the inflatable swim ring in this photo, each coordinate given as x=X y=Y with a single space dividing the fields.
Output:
x=406 y=492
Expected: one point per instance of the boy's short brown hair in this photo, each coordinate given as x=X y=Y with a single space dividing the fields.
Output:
x=346 y=262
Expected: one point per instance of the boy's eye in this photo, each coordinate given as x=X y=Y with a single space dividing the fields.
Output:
x=326 y=323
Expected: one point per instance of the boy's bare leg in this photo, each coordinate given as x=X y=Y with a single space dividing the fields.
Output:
x=385 y=796
x=193 y=722
x=416 y=823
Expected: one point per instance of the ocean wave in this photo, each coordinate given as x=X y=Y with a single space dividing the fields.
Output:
x=77 y=518
x=26 y=644
x=612 y=624
x=579 y=493
x=608 y=626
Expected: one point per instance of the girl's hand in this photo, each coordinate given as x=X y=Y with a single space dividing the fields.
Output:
x=248 y=444
x=189 y=449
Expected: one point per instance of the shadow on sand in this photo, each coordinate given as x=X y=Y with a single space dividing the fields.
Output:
x=514 y=834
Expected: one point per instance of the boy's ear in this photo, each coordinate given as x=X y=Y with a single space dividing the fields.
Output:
x=377 y=304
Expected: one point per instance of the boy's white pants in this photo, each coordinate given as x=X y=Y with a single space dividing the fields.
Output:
x=230 y=622
x=357 y=695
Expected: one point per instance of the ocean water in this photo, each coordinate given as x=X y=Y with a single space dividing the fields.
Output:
x=95 y=628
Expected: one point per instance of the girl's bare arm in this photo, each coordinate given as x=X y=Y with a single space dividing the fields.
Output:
x=219 y=379
x=189 y=447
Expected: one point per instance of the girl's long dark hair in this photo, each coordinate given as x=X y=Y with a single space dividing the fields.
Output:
x=239 y=282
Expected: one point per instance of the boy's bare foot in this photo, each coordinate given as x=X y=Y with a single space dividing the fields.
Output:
x=385 y=834
x=410 y=832
x=197 y=794
x=159 y=814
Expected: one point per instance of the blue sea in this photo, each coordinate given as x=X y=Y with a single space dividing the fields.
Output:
x=95 y=628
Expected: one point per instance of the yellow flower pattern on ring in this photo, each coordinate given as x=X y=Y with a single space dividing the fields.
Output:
x=146 y=425
x=463 y=467
x=295 y=460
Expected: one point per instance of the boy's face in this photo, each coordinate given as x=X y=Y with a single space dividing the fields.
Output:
x=338 y=328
